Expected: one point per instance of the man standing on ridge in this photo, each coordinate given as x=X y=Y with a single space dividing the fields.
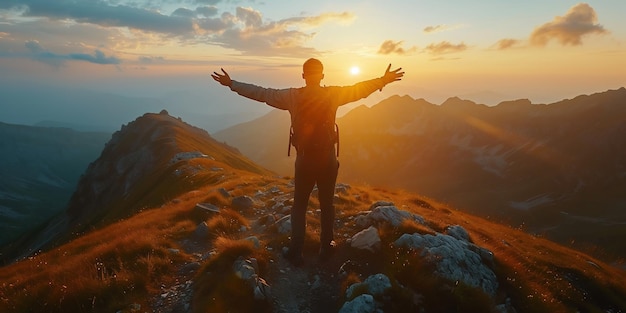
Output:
x=313 y=109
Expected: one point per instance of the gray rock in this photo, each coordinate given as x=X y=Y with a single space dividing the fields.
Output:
x=454 y=259
x=342 y=188
x=366 y=239
x=224 y=193
x=202 y=231
x=284 y=224
x=376 y=285
x=381 y=213
x=255 y=240
x=262 y=290
x=244 y=269
x=458 y=232
x=380 y=203
x=242 y=203
x=361 y=304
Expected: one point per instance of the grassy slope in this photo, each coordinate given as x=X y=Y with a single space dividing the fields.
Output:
x=125 y=262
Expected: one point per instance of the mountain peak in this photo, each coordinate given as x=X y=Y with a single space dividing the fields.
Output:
x=145 y=163
x=456 y=103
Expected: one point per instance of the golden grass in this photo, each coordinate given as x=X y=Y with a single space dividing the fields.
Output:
x=102 y=271
x=217 y=288
x=227 y=221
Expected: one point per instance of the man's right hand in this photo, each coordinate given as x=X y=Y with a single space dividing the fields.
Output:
x=392 y=76
x=223 y=79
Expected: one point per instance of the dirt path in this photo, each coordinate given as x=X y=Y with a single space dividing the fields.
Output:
x=311 y=288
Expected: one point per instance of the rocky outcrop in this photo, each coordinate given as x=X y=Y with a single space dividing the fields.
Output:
x=455 y=259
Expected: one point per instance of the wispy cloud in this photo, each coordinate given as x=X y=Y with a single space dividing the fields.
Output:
x=54 y=59
x=437 y=28
x=445 y=47
x=507 y=43
x=390 y=46
x=579 y=21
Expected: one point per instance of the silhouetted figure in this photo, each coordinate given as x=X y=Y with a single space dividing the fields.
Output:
x=313 y=109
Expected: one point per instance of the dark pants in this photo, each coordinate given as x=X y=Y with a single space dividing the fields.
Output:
x=314 y=168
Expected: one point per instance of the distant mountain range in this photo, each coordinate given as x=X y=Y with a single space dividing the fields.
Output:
x=557 y=170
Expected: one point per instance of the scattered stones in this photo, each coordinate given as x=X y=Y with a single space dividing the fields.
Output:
x=188 y=156
x=247 y=269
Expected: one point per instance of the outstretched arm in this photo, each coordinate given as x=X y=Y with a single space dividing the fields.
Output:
x=363 y=89
x=223 y=79
x=392 y=76
x=280 y=99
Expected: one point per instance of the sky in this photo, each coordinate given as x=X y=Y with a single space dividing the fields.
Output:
x=486 y=51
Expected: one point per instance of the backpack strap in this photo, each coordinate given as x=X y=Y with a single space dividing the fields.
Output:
x=290 y=140
x=337 y=138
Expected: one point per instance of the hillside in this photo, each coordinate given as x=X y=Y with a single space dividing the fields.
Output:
x=557 y=170
x=39 y=171
x=132 y=173
x=144 y=244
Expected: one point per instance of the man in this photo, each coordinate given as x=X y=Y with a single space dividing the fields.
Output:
x=313 y=109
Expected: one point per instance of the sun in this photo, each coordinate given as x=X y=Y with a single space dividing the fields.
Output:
x=355 y=70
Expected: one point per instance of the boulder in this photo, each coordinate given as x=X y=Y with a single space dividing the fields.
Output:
x=362 y=304
x=375 y=285
x=454 y=259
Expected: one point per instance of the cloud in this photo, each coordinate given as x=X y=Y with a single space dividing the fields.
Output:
x=434 y=29
x=244 y=30
x=445 y=47
x=507 y=43
x=390 y=46
x=57 y=60
x=579 y=21
x=104 y=14
x=150 y=59
x=248 y=33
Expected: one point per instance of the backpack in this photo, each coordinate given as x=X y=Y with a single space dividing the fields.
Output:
x=313 y=126
x=333 y=137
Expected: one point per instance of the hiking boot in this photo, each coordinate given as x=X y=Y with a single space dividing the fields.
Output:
x=327 y=251
x=296 y=259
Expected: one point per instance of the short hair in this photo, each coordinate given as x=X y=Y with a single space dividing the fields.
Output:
x=312 y=66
